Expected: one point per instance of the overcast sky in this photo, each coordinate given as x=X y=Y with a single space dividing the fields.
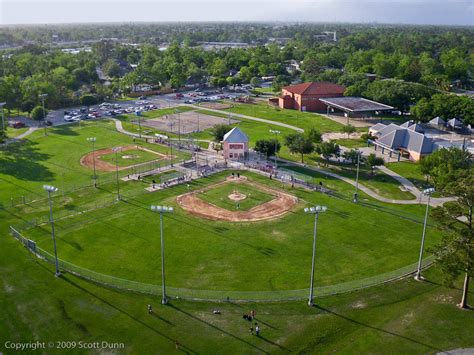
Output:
x=445 y=12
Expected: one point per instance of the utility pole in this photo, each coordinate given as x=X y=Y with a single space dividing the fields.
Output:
x=49 y=189
x=43 y=96
x=428 y=193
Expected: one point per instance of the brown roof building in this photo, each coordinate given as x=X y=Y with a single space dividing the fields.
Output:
x=305 y=97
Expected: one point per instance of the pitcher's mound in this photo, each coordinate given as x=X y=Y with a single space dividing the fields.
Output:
x=237 y=196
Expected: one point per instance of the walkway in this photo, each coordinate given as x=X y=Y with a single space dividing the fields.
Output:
x=274 y=123
x=21 y=136
x=406 y=183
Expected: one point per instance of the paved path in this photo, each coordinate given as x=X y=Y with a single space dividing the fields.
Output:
x=361 y=187
x=273 y=123
x=21 y=136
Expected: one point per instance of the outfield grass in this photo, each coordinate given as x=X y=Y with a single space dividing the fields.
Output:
x=219 y=196
x=131 y=157
x=349 y=234
x=305 y=120
x=351 y=143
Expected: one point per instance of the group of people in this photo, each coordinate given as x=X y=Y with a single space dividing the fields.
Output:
x=234 y=175
x=253 y=328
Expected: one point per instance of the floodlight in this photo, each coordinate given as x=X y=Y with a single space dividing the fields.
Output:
x=50 y=188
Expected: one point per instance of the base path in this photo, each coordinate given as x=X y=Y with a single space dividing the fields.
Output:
x=102 y=165
x=280 y=205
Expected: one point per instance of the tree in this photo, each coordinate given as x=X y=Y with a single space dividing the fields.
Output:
x=372 y=161
x=328 y=149
x=111 y=68
x=255 y=82
x=443 y=165
x=88 y=100
x=455 y=253
x=37 y=113
x=348 y=129
x=267 y=146
x=298 y=143
x=314 y=136
x=27 y=106
x=219 y=131
x=351 y=155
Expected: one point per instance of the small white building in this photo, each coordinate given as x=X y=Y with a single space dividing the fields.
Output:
x=235 y=144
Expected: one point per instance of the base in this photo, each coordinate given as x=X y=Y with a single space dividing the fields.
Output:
x=164 y=300
x=419 y=278
x=57 y=274
x=310 y=303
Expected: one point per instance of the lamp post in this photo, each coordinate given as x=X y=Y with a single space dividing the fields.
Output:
x=197 y=120
x=139 y=114
x=42 y=97
x=356 y=196
x=49 y=189
x=314 y=210
x=116 y=150
x=276 y=133
x=3 y=115
x=179 y=127
x=161 y=210
x=92 y=140
x=171 y=124
x=428 y=193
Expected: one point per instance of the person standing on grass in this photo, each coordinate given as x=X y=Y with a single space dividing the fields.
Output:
x=257 y=329
x=150 y=309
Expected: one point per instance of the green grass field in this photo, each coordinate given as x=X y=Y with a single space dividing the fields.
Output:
x=121 y=239
x=131 y=157
x=351 y=143
x=348 y=233
x=219 y=196
x=305 y=120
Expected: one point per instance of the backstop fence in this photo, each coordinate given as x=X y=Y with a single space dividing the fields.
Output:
x=217 y=295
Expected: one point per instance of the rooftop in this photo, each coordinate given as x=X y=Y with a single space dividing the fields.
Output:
x=316 y=88
x=235 y=135
x=355 y=104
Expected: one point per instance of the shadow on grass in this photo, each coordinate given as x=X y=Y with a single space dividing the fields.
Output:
x=72 y=283
x=326 y=310
x=66 y=130
x=22 y=161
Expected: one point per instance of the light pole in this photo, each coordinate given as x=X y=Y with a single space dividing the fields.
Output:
x=428 y=193
x=43 y=96
x=49 y=189
x=161 y=210
x=3 y=115
x=276 y=142
x=179 y=127
x=198 y=120
x=356 y=196
x=171 y=124
x=314 y=210
x=116 y=150
x=92 y=140
x=139 y=114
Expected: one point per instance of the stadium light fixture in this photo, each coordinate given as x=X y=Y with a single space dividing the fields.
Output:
x=50 y=189
x=276 y=133
x=356 y=193
x=3 y=114
x=428 y=192
x=93 y=140
x=316 y=210
x=161 y=210
x=116 y=150
x=42 y=97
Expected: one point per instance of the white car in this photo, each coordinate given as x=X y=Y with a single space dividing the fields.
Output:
x=68 y=118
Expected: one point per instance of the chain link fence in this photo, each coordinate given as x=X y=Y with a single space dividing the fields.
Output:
x=216 y=295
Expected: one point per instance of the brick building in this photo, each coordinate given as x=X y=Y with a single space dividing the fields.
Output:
x=305 y=96
x=235 y=144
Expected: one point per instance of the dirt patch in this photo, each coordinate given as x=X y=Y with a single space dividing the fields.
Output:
x=280 y=205
x=102 y=165
x=216 y=105
x=236 y=196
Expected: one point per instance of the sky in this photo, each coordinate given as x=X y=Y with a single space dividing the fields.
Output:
x=441 y=12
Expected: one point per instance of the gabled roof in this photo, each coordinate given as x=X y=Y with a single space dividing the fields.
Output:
x=437 y=121
x=407 y=139
x=407 y=123
x=235 y=135
x=316 y=88
x=416 y=127
x=391 y=127
x=378 y=127
x=454 y=122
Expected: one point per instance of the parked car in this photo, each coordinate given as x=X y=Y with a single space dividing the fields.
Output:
x=68 y=118
x=48 y=123
x=18 y=124
x=143 y=97
x=179 y=95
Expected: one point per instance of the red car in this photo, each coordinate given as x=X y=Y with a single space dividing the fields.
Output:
x=179 y=95
x=18 y=124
